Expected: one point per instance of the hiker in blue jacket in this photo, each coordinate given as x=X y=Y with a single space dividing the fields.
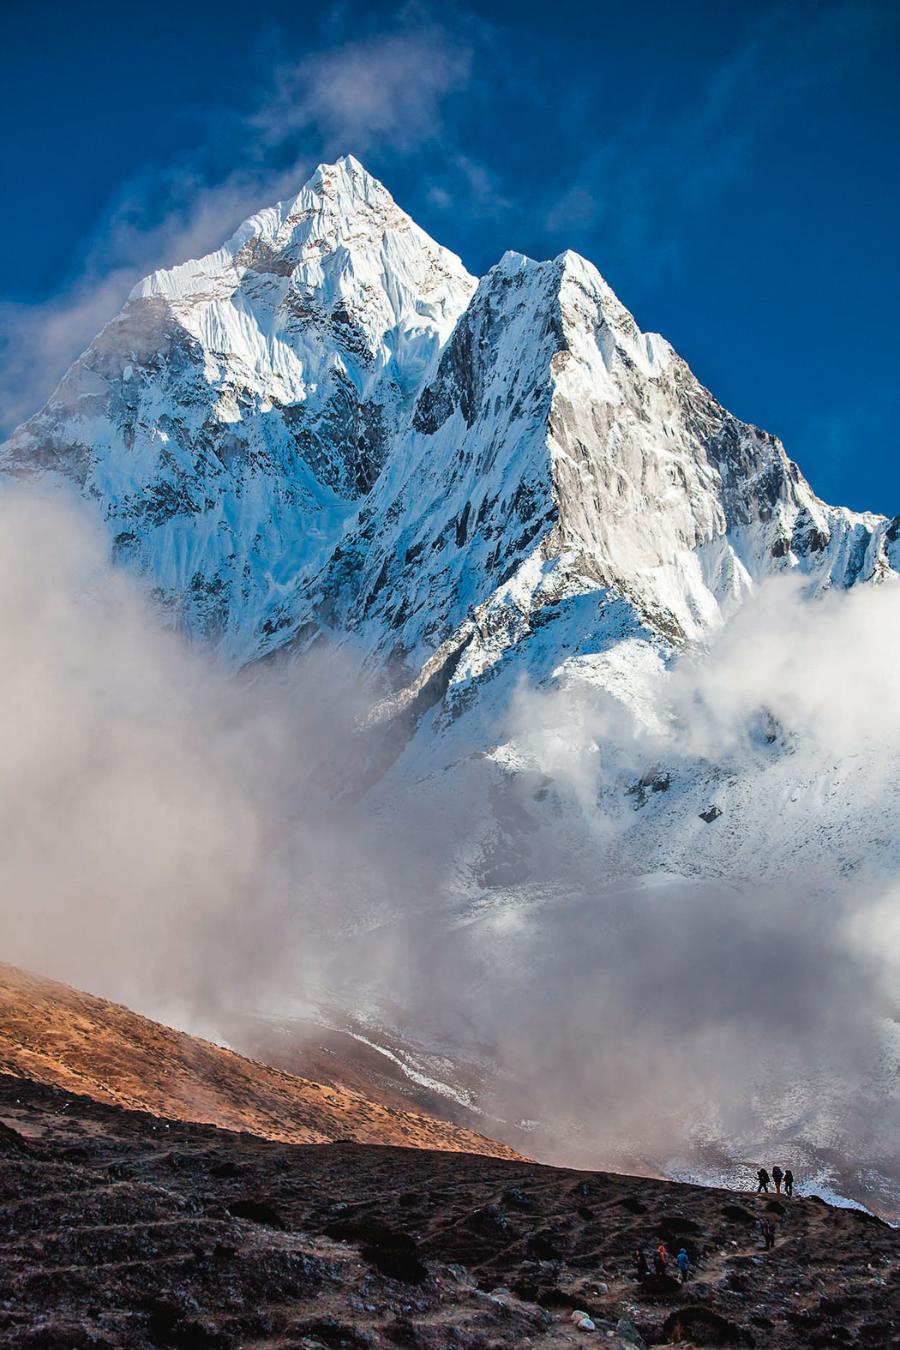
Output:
x=683 y=1262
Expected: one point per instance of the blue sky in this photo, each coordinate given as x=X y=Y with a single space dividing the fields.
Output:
x=731 y=169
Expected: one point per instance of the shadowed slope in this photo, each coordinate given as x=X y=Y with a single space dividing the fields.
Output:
x=123 y=1231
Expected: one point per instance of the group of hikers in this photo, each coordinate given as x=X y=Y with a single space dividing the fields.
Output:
x=662 y=1261
x=778 y=1177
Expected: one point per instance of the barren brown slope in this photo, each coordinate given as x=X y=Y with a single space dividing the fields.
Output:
x=62 y=1037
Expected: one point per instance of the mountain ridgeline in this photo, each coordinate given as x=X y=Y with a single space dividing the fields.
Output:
x=328 y=426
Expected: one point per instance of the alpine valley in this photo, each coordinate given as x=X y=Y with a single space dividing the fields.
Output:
x=529 y=533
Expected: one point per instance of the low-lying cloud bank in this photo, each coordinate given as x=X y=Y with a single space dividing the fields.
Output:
x=151 y=805
x=185 y=840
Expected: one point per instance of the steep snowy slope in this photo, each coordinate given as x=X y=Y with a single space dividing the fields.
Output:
x=564 y=469
x=321 y=427
x=228 y=420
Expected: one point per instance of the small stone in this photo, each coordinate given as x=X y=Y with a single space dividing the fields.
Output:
x=628 y=1332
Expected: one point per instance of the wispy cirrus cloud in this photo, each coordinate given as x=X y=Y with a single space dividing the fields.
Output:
x=356 y=94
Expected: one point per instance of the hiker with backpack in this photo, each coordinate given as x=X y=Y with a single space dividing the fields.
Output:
x=683 y=1262
x=777 y=1175
x=763 y=1178
x=789 y=1182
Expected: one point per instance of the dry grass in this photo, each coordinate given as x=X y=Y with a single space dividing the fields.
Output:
x=59 y=1036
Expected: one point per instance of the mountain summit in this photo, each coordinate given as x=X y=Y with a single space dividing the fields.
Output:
x=229 y=419
x=330 y=406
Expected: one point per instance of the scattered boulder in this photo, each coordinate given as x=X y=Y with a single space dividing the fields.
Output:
x=516 y=1197
x=543 y=1246
x=660 y=1288
x=582 y=1321
x=391 y=1251
x=710 y=814
x=403 y=1332
x=703 y=1326
x=223 y=1171
x=628 y=1332
x=257 y=1211
x=675 y=1225
x=737 y=1214
x=13 y=1142
x=328 y=1331
x=490 y=1219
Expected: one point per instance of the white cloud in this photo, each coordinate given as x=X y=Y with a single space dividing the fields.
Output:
x=353 y=96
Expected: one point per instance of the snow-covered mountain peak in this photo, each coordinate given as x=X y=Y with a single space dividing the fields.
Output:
x=344 y=227
x=347 y=182
x=229 y=418
x=327 y=423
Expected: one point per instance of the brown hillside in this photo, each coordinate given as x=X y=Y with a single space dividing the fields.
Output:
x=59 y=1036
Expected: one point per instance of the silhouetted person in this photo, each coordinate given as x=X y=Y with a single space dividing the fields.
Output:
x=642 y=1270
x=763 y=1176
x=770 y=1235
x=777 y=1174
x=789 y=1182
x=683 y=1262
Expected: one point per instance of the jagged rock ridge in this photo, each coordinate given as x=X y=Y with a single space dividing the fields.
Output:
x=325 y=425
